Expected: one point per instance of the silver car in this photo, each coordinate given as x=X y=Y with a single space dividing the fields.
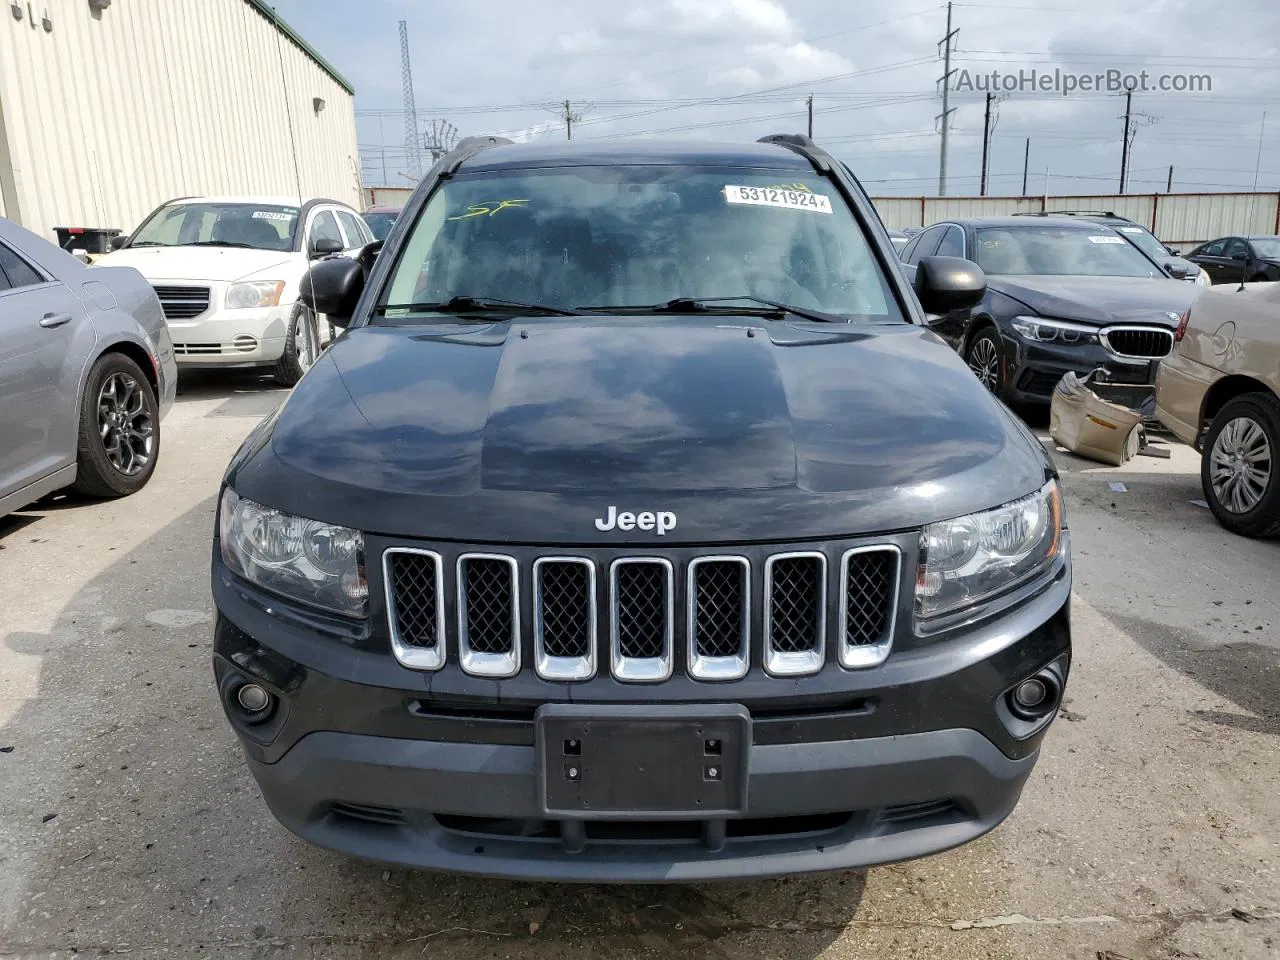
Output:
x=86 y=374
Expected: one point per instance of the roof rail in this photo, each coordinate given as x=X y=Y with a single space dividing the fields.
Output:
x=1071 y=213
x=467 y=148
x=799 y=143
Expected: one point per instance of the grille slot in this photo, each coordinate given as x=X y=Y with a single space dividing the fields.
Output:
x=488 y=615
x=1150 y=343
x=183 y=303
x=868 y=604
x=415 y=607
x=564 y=618
x=368 y=813
x=197 y=349
x=719 y=615
x=640 y=614
x=795 y=623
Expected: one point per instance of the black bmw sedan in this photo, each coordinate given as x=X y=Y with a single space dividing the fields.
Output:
x=1062 y=296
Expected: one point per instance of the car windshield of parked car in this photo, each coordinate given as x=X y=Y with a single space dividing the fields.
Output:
x=633 y=236
x=261 y=226
x=1268 y=248
x=380 y=223
x=1145 y=241
x=1047 y=250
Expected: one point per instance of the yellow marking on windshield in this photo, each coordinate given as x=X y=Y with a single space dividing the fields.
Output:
x=488 y=208
x=795 y=187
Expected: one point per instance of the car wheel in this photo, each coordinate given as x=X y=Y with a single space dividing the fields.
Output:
x=301 y=346
x=1238 y=469
x=983 y=358
x=119 y=438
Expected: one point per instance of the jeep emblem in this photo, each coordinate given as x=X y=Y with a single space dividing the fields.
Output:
x=613 y=520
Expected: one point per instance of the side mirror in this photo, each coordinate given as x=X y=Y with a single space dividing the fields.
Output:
x=326 y=246
x=118 y=241
x=944 y=284
x=1240 y=256
x=332 y=288
x=1179 y=271
x=1172 y=251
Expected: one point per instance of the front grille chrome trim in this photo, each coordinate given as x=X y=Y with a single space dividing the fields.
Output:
x=861 y=656
x=783 y=663
x=494 y=665
x=1162 y=332
x=415 y=658
x=646 y=669
x=564 y=668
x=718 y=668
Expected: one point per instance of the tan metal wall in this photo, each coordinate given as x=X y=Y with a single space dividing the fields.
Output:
x=108 y=115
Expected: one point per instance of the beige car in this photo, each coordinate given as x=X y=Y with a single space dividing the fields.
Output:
x=1220 y=392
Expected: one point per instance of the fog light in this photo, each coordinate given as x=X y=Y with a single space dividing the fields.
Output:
x=253 y=698
x=1029 y=695
x=1036 y=697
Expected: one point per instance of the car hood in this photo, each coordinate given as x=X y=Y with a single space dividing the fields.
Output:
x=196 y=263
x=746 y=430
x=1101 y=300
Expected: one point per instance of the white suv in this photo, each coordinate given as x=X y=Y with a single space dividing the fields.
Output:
x=227 y=271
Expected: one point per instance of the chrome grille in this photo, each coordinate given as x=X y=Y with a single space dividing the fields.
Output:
x=869 y=583
x=488 y=615
x=795 y=613
x=719 y=617
x=564 y=618
x=183 y=303
x=640 y=618
x=415 y=607
x=1151 y=343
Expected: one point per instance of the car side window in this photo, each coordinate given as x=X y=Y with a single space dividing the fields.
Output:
x=18 y=272
x=1212 y=249
x=1236 y=248
x=952 y=244
x=927 y=245
x=909 y=250
x=351 y=227
x=325 y=227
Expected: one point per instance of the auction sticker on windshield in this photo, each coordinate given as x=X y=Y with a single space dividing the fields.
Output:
x=775 y=197
x=1106 y=239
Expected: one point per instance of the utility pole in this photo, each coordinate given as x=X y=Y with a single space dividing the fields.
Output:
x=382 y=145
x=568 y=120
x=809 y=105
x=947 y=45
x=986 y=146
x=1124 y=149
x=1026 y=166
x=1169 y=187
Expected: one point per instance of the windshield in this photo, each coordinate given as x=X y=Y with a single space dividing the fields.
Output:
x=380 y=223
x=619 y=236
x=1146 y=241
x=1268 y=248
x=261 y=226
x=1065 y=251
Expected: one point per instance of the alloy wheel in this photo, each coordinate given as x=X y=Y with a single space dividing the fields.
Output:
x=125 y=424
x=1240 y=465
x=985 y=363
x=306 y=340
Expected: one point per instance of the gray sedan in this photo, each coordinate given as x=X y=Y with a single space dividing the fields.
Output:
x=86 y=374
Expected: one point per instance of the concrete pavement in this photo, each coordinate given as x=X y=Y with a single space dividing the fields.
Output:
x=128 y=824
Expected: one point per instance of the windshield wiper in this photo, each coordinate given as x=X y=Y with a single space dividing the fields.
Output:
x=480 y=305
x=766 y=308
x=220 y=243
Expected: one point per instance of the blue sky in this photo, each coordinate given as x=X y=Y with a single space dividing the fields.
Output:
x=648 y=67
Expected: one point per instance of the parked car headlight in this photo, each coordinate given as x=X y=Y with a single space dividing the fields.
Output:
x=317 y=563
x=970 y=559
x=260 y=293
x=1040 y=330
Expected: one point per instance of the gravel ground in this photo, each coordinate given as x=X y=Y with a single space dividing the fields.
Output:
x=129 y=825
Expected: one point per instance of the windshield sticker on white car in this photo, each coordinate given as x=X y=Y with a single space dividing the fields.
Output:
x=788 y=199
x=1106 y=239
x=273 y=215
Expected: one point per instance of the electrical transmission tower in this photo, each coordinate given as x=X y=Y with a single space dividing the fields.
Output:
x=412 y=150
x=440 y=138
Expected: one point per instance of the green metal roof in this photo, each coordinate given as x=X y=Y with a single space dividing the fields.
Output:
x=269 y=12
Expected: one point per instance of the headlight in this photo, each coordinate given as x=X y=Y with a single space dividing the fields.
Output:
x=263 y=293
x=1201 y=279
x=316 y=563
x=973 y=558
x=1055 y=331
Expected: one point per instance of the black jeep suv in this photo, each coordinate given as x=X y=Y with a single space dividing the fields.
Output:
x=637 y=529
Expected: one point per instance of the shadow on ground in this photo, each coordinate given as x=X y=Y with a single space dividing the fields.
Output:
x=133 y=826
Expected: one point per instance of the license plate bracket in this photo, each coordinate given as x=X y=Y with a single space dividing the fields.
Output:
x=643 y=762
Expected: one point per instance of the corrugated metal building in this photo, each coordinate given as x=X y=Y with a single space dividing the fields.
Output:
x=107 y=109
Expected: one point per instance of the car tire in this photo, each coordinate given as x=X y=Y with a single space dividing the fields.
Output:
x=119 y=438
x=983 y=355
x=1245 y=431
x=301 y=346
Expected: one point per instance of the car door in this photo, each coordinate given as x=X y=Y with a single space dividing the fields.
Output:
x=354 y=229
x=1210 y=258
x=40 y=320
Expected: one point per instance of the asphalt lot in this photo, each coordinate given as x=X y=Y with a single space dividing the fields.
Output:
x=129 y=825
